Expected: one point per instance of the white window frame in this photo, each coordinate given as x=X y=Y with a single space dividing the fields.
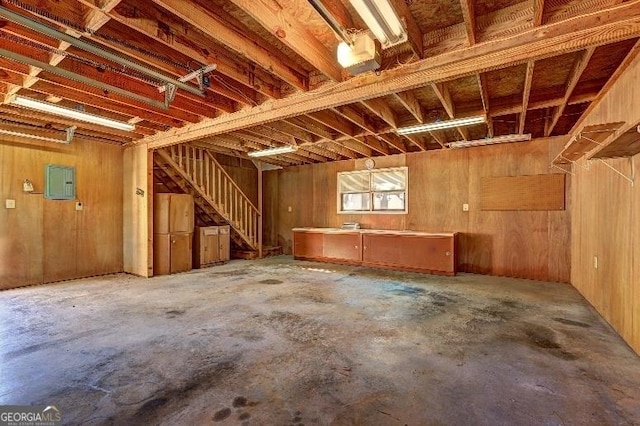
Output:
x=371 y=192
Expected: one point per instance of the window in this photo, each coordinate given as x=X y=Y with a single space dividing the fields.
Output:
x=373 y=191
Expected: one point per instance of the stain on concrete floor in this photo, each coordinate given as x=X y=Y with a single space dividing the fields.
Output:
x=281 y=342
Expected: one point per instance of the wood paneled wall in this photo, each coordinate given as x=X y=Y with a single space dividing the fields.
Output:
x=45 y=240
x=606 y=219
x=527 y=244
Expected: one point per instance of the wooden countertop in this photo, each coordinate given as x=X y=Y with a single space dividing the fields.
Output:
x=375 y=231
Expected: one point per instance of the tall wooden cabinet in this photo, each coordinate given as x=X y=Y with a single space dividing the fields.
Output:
x=173 y=218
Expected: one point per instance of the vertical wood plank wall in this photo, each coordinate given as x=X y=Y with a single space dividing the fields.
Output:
x=135 y=233
x=606 y=220
x=527 y=244
x=45 y=240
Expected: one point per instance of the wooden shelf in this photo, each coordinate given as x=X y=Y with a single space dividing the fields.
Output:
x=625 y=145
x=588 y=139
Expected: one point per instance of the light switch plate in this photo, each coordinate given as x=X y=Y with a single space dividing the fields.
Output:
x=79 y=205
x=10 y=204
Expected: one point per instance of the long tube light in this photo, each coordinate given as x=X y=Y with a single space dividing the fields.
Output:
x=439 y=125
x=382 y=20
x=491 y=141
x=71 y=113
x=273 y=151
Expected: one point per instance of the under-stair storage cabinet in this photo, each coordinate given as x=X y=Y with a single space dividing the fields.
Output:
x=211 y=245
x=173 y=218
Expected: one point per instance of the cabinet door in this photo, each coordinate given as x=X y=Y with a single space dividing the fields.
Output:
x=307 y=245
x=210 y=252
x=161 y=254
x=161 y=213
x=181 y=213
x=344 y=246
x=180 y=252
x=224 y=242
x=410 y=252
x=430 y=253
x=382 y=249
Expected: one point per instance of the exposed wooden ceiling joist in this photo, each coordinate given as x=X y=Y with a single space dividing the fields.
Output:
x=617 y=23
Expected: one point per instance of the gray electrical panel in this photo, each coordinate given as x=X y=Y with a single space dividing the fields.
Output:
x=59 y=182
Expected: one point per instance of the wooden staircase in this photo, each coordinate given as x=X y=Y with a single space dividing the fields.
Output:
x=218 y=200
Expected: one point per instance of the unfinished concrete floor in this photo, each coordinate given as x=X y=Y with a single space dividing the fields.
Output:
x=280 y=342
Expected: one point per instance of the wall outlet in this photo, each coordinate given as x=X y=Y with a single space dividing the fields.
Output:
x=465 y=207
x=10 y=204
x=595 y=262
x=79 y=206
x=289 y=209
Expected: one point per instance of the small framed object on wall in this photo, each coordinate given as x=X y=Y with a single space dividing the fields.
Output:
x=59 y=182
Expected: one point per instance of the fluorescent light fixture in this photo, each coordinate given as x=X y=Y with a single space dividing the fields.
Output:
x=71 y=113
x=382 y=20
x=67 y=141
x=439 y=125
x=491 y=141
x=273 y=151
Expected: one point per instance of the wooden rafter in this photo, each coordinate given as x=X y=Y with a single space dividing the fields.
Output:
x=382 y=109
x=215 y=28
x=484 y=97
x=205 y=53
x=606 y=26
x=416 y=38
x=469 y=19
x=442 y=92
x=538 y=12
x=526 y=92
x=574 y=77
x=411 y=104
x=292 y=33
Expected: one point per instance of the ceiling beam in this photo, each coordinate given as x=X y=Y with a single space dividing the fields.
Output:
x=411 y=104
x=442 y=92
x=469 y=16
x=416 y=38
x=211 y=25
x=382 y=109
x=203 y=50
x=292 y=33
x=576 y=72
x=526 y=92
x=538 y=12
x=484 y=96
x=606 y=26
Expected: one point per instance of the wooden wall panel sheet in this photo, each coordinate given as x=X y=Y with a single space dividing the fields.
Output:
x=50 y=240
x=534 y=192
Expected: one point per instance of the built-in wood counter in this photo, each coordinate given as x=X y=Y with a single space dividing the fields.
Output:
x=404 y=250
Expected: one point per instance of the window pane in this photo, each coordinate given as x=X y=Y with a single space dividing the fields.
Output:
x=388 y=201
x=389 y=180
x=356 y=202
x=354 y=182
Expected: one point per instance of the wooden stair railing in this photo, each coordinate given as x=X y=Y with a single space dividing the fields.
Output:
x=213 y=183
